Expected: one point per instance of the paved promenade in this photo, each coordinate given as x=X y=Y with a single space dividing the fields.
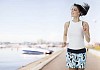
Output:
x=93 y=63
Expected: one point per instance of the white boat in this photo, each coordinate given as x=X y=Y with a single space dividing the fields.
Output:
x=36 y=51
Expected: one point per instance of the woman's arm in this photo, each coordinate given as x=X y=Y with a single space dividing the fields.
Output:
x=66 y=25
x=86 y=31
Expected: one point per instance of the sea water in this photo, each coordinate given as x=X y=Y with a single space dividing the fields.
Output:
x=13 y=58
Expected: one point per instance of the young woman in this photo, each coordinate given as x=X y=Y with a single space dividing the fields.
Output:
x=76 y=30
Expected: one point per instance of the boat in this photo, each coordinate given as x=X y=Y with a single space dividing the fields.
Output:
x=37 y=51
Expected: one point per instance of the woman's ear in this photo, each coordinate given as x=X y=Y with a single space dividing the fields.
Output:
x=79 y=13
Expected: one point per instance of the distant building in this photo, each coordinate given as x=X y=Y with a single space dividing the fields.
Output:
x=97 y=44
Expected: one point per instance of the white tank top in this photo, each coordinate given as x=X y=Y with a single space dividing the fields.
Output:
x=76 y=35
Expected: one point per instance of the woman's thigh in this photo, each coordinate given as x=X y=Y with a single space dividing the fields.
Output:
x=80 y=69
x=73 y=69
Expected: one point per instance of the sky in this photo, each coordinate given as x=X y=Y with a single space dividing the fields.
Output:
x=32 y=20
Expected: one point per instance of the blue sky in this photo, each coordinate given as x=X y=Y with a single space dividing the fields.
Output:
x=31 y=20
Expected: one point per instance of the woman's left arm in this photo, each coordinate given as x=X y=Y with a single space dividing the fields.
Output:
x=86 y=31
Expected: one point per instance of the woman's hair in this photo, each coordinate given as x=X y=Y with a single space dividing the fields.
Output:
x=82 y=8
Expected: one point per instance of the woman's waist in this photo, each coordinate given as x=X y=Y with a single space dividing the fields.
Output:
x=76 y=44
x=82 y=50
x=76 y=39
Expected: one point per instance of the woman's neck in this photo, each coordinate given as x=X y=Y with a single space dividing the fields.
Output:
x=76 y=19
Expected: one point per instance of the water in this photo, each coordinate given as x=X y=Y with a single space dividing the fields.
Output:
x=13 y=58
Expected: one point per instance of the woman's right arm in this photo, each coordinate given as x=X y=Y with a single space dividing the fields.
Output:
x=66 y=25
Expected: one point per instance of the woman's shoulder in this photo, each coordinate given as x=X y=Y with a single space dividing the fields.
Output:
x=85 y=23
x=67 y=23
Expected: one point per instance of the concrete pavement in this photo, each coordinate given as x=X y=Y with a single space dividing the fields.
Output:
x=59 y=63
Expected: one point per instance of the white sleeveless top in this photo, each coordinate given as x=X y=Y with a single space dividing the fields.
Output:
x=76 y=35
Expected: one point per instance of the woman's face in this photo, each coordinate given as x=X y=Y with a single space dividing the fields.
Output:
x=75 y=11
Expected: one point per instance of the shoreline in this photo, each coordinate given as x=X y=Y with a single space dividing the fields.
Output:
x=37 y=65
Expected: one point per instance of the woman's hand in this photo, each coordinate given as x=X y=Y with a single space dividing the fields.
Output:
x=63 y=44
x=85 y=29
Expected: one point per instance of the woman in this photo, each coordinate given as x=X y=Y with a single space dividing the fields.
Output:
x=76 y=30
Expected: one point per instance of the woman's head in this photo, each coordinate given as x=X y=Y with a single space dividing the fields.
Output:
x=79 y=10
